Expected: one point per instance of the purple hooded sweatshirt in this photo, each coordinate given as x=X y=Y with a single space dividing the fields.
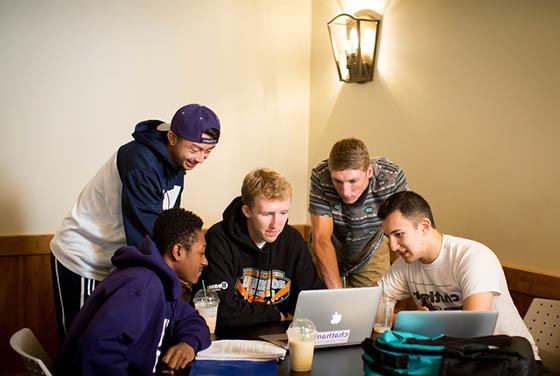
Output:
x=131 y=319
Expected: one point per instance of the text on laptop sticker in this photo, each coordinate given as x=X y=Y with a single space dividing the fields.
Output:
x=332 y=337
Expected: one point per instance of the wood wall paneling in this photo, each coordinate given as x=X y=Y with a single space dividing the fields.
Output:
x=26 y=300
x=525 y=285
x=25 y=245
x=26 y=296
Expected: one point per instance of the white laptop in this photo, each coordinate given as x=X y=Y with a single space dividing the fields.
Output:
x=451 y=323
x=342 y=316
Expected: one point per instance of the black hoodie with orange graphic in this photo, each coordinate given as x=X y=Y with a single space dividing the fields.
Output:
x=255 y=285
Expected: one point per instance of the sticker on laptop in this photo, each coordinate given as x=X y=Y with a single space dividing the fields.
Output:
x=332 y=337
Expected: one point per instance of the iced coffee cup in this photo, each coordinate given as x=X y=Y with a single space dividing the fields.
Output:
x=301 y=343
x=384 y=317
x=206 y=303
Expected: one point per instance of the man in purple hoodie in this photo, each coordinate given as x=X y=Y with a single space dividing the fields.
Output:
x=135 y=322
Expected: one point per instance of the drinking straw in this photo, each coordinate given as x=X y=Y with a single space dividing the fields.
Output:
x=204 y=289
x=382 y=287
x=298 y=316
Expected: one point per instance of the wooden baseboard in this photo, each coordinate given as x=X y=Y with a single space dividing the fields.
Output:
x=524 y=285
x=25 y=245
x=533 y=283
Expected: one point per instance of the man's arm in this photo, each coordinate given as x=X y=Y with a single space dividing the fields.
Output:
x=305 y=276
x=323 y=248
x=191 y=334
x=477 y=273
x=144 y=195
x=481 y=301
x=141 y=203
x=190 y=327
x=303 y=271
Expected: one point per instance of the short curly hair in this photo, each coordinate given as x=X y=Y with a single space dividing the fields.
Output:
x=174 y=226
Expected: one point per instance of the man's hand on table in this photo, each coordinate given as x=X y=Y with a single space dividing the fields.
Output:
x=177 y=357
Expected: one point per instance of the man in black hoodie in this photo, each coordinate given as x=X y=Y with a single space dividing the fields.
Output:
x=122 y=201
x=256 y=263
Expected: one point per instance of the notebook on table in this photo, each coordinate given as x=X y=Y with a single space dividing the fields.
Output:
x=464 y=324
x=342 y=316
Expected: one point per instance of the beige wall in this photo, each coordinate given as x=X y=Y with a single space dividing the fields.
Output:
x=466 y=100
x=78 y=75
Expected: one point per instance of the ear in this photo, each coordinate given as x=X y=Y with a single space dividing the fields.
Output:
x=246 y=211
x=176 y=251
x=171 y=138
x=425 y=225
x=369 y=172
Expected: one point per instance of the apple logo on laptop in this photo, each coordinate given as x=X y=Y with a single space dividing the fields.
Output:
x=336 y=318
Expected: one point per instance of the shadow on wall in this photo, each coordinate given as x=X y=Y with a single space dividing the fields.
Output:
x=368 y=112
x=11 y=207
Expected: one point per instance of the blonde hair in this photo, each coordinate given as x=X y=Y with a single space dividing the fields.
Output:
x=266 y=182
x=349 y=154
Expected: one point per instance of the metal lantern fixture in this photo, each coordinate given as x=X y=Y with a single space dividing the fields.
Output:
x=354 y=45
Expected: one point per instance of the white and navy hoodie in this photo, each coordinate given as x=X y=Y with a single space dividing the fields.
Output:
x=120 y=204
x=132 y=318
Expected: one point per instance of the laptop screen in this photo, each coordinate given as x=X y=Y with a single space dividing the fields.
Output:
x=341 y=316
x=451 y=323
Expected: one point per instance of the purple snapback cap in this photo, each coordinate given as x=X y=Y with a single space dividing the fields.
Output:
x=192 y=121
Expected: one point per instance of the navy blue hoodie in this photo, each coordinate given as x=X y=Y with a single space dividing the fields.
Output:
x=151 y=181
x=120 y=204
x=254 y=284
x=131 y=319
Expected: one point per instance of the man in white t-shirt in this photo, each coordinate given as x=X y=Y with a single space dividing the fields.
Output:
x=444 y=272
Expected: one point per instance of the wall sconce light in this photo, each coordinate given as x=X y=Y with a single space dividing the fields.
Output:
x=354 y=45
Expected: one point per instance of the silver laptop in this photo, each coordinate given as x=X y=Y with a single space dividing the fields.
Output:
x=451 y=323
x=342 y=316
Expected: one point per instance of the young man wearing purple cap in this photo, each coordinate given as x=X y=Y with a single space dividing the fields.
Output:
x=120 y=204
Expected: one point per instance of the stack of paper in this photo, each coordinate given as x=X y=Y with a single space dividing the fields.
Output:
x=236 y=349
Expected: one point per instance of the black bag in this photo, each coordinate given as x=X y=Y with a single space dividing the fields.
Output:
x=403 y=353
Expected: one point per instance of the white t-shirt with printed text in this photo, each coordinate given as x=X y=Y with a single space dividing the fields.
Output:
x=462 y=268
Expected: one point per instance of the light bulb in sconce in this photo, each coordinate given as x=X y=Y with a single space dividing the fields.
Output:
x=351 y=45
x=354 y=40
x=368 y=44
